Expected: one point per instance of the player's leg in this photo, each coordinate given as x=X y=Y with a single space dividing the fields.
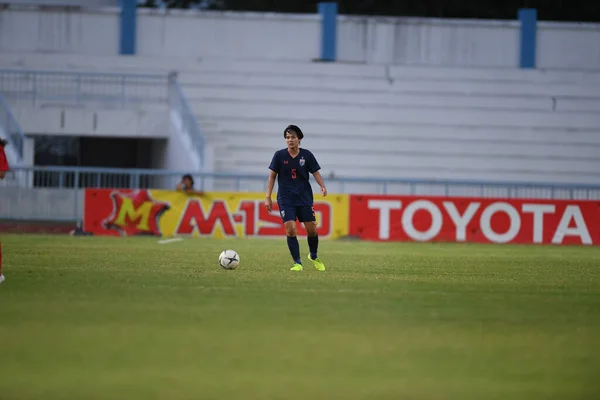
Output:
x=1 y=276
x=288 y=215
x=308 y=217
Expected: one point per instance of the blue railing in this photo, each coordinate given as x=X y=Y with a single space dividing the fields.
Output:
x=10 y=128
x=38 y=87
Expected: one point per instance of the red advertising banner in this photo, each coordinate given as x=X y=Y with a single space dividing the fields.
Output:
x=480 y=220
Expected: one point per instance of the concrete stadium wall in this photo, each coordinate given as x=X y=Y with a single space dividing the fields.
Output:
x=49 y=120
x=266 y=36
x=41 y=204
x=149 y=122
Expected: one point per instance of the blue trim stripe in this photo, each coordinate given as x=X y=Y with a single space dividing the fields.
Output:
x=128 y=26
x=328 y=13
x=528 y=19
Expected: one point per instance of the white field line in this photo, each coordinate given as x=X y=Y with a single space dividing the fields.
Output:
x=166 y=241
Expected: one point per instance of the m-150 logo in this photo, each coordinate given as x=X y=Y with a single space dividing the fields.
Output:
x=135 y=213
x=249 y=215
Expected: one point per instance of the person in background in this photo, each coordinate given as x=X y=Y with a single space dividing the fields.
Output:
x=187 y=185
x=3 y=169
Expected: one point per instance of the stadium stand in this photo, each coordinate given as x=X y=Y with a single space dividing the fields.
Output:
x=376 y=121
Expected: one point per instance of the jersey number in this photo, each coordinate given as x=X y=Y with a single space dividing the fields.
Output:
x=294 y=173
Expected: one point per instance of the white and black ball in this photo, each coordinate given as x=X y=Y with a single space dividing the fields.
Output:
x=229 y=259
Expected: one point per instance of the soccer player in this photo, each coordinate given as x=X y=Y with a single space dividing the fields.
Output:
x=3 y=168
x=292 y=167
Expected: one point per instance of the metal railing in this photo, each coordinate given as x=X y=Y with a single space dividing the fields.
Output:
x=132 y=178
x=9 y=127
x=38 y=87
x=57 y=193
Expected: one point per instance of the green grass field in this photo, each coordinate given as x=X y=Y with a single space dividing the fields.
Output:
x=127 y=318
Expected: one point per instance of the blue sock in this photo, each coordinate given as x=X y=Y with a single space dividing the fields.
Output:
x=313 y=245
x=294 y=247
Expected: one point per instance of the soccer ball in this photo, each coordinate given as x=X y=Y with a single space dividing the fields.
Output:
x=229 y=259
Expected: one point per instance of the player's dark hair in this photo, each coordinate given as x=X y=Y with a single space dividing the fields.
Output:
x=295 y=129
x=3 y=142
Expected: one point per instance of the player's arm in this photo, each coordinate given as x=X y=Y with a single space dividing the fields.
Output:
x=270 y=186
x=314 y=169
x=321 y=182
x=271 y=183
x=273 y=170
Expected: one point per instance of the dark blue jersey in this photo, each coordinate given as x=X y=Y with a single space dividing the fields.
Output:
x=293 y=175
